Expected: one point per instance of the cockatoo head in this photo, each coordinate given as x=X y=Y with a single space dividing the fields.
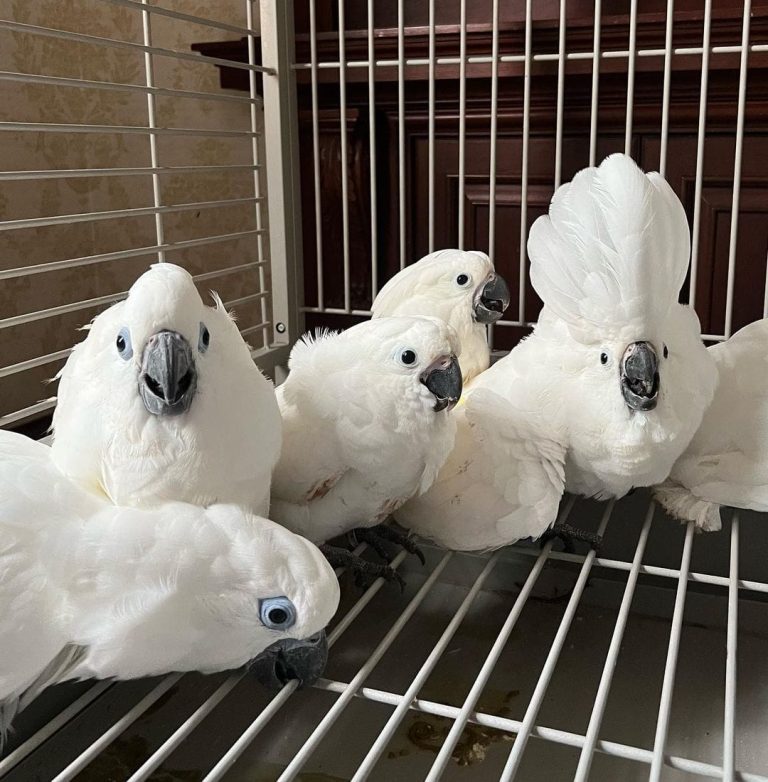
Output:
x=388 y=364
x=608 y=262
x=459 y=287
x=292 y=593
x=159 y=366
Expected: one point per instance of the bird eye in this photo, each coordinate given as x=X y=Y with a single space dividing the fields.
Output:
x=603 y=358
x=277 y=613
x=123 y=344
x=408 y=358
x=463 y=280
x=666 y=352
x=205 y=338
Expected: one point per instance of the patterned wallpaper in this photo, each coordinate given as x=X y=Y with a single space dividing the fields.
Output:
x=22 y=52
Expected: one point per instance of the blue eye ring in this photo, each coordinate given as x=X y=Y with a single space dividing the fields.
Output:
x=204 y=339
x=277 y=613
x=123 y=343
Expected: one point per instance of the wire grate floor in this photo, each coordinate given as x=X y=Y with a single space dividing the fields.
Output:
x=530 y=663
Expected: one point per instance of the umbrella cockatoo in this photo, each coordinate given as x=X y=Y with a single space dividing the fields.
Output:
x=162 y=401
x=90 y=589
x=608 y=390
x=726 y=463
x=366 y=424
x=459 y=287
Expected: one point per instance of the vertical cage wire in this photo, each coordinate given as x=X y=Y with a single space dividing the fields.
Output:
x=316 y=153
x=595 y=84
x=149 y=80
x=401 y=193
x=732 y=634
x=431 y=129
x=462 y=115
x=344 y=160
x=666 y=86
x=631 y=76
x=493 y=131
x=737 y=168
x=524 y=167
x=701 y=135
x=266 y=325
x=560 y=94
x=372 y=151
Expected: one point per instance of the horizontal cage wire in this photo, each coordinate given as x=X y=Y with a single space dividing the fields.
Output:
x=643 y=660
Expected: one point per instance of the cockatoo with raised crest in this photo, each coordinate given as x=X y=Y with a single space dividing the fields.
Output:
x=367 y=424
x=726 y=463
x=162 y=401
x=457 y=286
x=608 y=390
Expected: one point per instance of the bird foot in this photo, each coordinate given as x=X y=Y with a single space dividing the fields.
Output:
x=568 y=534
x=376 y=536
x=363 y=571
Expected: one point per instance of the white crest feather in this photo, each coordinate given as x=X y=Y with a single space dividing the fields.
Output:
x=613 y=250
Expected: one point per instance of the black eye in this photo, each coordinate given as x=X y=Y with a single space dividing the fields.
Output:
x=408 y=358
x=666 y=352
x=603 y=358
x=123 y=344
x=462 y=280
x=277 y=613
x=205 y=338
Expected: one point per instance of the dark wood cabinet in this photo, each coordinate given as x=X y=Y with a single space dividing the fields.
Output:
x=719 y=147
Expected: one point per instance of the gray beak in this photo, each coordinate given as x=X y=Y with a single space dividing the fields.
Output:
x=640 y=377
x=443 y=378
x=168 y=379
x=491 y=299
x=291 y=659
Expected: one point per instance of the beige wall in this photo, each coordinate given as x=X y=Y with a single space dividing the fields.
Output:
x=33 y=54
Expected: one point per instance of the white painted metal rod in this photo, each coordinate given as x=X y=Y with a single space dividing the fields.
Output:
x=401 y=169
x=446 y=750
x=666 y=86
x=325 y=724
x=316 y=155
x=494 y=132
x=62 y=718
x=388 y=731
x=462 y=117
x=612 y=54
x=668 y=687
x=631 y=76
x=87 y=260
x=106 y=738
x=31 y=363
x=113 y=43
x=700 y=152
x=729 y=721
x=372 y=173
x=26 y=412
x=249 y=734
x=88 y=217
x=344 y=162
x=431 y=128
x=59 y=127
x=595 y=85
x=553 y=735
x=601 y=698
x=62 y=81
x=77 y=173
x=737 y=168
x=524 y=170
x=203 y=21
x=560 y=94
x=529 y=720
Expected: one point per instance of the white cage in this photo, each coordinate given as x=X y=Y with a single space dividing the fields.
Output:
x=645 y=661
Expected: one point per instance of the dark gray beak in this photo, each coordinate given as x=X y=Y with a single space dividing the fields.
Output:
x=443 y=378
x=291 y=659
x=168 y=379
x=640 y=377
x=491 y=299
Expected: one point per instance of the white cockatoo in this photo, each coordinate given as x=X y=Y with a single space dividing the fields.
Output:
x=608 y=390
x=162 y=402
x=366 y=423
x=89 y=589
x=457 y=286
x=726 y=463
